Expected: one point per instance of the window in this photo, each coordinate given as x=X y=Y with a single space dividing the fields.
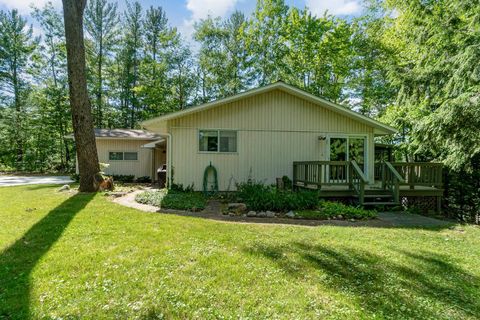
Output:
x=115 y=156
x=123 y=155
x=130 y=156
x=217 y=141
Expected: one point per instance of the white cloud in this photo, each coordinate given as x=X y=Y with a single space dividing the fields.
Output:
x=335 y=7
x=201 y=9
x=25 y=6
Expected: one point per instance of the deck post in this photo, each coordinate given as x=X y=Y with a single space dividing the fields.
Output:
x=411 y=176
x=439 y=205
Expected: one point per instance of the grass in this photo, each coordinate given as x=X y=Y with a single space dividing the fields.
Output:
x=69 y=256
x=169 y=199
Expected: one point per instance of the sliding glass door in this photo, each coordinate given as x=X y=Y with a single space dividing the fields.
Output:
x=348 y=148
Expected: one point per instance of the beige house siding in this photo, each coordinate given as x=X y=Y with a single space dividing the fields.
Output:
x=274 y=129
x=139 y=168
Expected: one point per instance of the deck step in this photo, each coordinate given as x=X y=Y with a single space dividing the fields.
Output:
x=376 y=196
x=381 y=203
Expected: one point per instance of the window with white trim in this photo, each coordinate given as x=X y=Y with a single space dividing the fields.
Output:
x=217 y=141
x=118 y=156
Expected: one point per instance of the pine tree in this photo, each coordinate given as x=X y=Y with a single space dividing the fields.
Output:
x=101 y=24
x=16 y=47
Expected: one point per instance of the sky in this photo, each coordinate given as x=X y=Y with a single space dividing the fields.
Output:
x=184 y=13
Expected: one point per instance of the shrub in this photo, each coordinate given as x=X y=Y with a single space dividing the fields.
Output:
x=124 y=178
x=170 y=199
x=145 y=179
x=260 y=197
x=180 y=188
x=328 y=209
x=75 y=177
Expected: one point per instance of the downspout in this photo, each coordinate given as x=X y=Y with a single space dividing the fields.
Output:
x=169 y=159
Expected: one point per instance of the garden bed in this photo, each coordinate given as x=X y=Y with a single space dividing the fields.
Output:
x=170 y=199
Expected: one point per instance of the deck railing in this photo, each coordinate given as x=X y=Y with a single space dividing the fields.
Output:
x=320 y=173
x=420 y=173
x=391 y=180
x=358 y=181
x=315 y=174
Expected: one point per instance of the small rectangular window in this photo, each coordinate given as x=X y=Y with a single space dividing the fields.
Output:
x=208 y=140
x=115 y=155
x=217 y=141
x=130 y=156
x=228 y=141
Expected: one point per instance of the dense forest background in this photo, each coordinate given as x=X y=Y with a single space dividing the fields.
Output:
x=413 y=64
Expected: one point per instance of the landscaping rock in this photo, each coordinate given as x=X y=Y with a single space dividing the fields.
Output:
x=290 y=214
x=251 y=214
x=64 y=188
x=262 y=214
x=237 y=207
x=270 y=214
x=232 y=214
x=339 y=217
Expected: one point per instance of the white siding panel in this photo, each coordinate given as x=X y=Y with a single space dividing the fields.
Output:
x=139 y=168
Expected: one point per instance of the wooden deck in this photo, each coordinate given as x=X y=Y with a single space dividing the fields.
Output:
x=392 y=180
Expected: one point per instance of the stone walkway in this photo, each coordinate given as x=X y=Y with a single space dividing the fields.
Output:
x=129 y=201
x=213 y=212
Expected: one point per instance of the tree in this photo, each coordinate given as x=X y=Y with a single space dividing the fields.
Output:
x=81 y=111
x=52 y=117
x=101 y=22
x=265 y=40
x=16 y=47
x=222 y=60
x=318 y=57
x=153 y=90
x=130 y=61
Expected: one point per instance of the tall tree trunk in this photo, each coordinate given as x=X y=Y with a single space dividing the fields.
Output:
x=18 y=115
x=81 y=110
x=100 y=83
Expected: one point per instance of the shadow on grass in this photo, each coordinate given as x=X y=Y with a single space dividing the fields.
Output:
x=423 y=285
x=18 y=260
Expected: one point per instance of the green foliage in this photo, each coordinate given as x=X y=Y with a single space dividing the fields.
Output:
x=329 y=209
x=260 y=197
x=463 y=194
x=145 y=179
x=170 y=199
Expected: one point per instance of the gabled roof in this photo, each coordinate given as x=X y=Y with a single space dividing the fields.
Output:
x=380 y=128
x=124 y=134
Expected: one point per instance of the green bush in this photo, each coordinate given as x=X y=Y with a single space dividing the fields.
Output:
x=124 y=178
x=329 y=209
x=145 y=179
x=260 y=197
x=170 y=199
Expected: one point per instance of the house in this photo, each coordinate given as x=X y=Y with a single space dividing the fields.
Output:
x=260 y=133
x=124 y=151
x=265 y=134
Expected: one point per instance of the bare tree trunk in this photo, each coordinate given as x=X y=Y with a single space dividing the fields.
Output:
x=81 y=110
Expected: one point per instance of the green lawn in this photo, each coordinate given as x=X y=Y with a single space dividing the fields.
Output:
x=69 y=257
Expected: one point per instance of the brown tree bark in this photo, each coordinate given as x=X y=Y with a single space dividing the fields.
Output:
x=79 y=102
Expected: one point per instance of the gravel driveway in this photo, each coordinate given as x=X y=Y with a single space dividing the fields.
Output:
x=8 y=181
